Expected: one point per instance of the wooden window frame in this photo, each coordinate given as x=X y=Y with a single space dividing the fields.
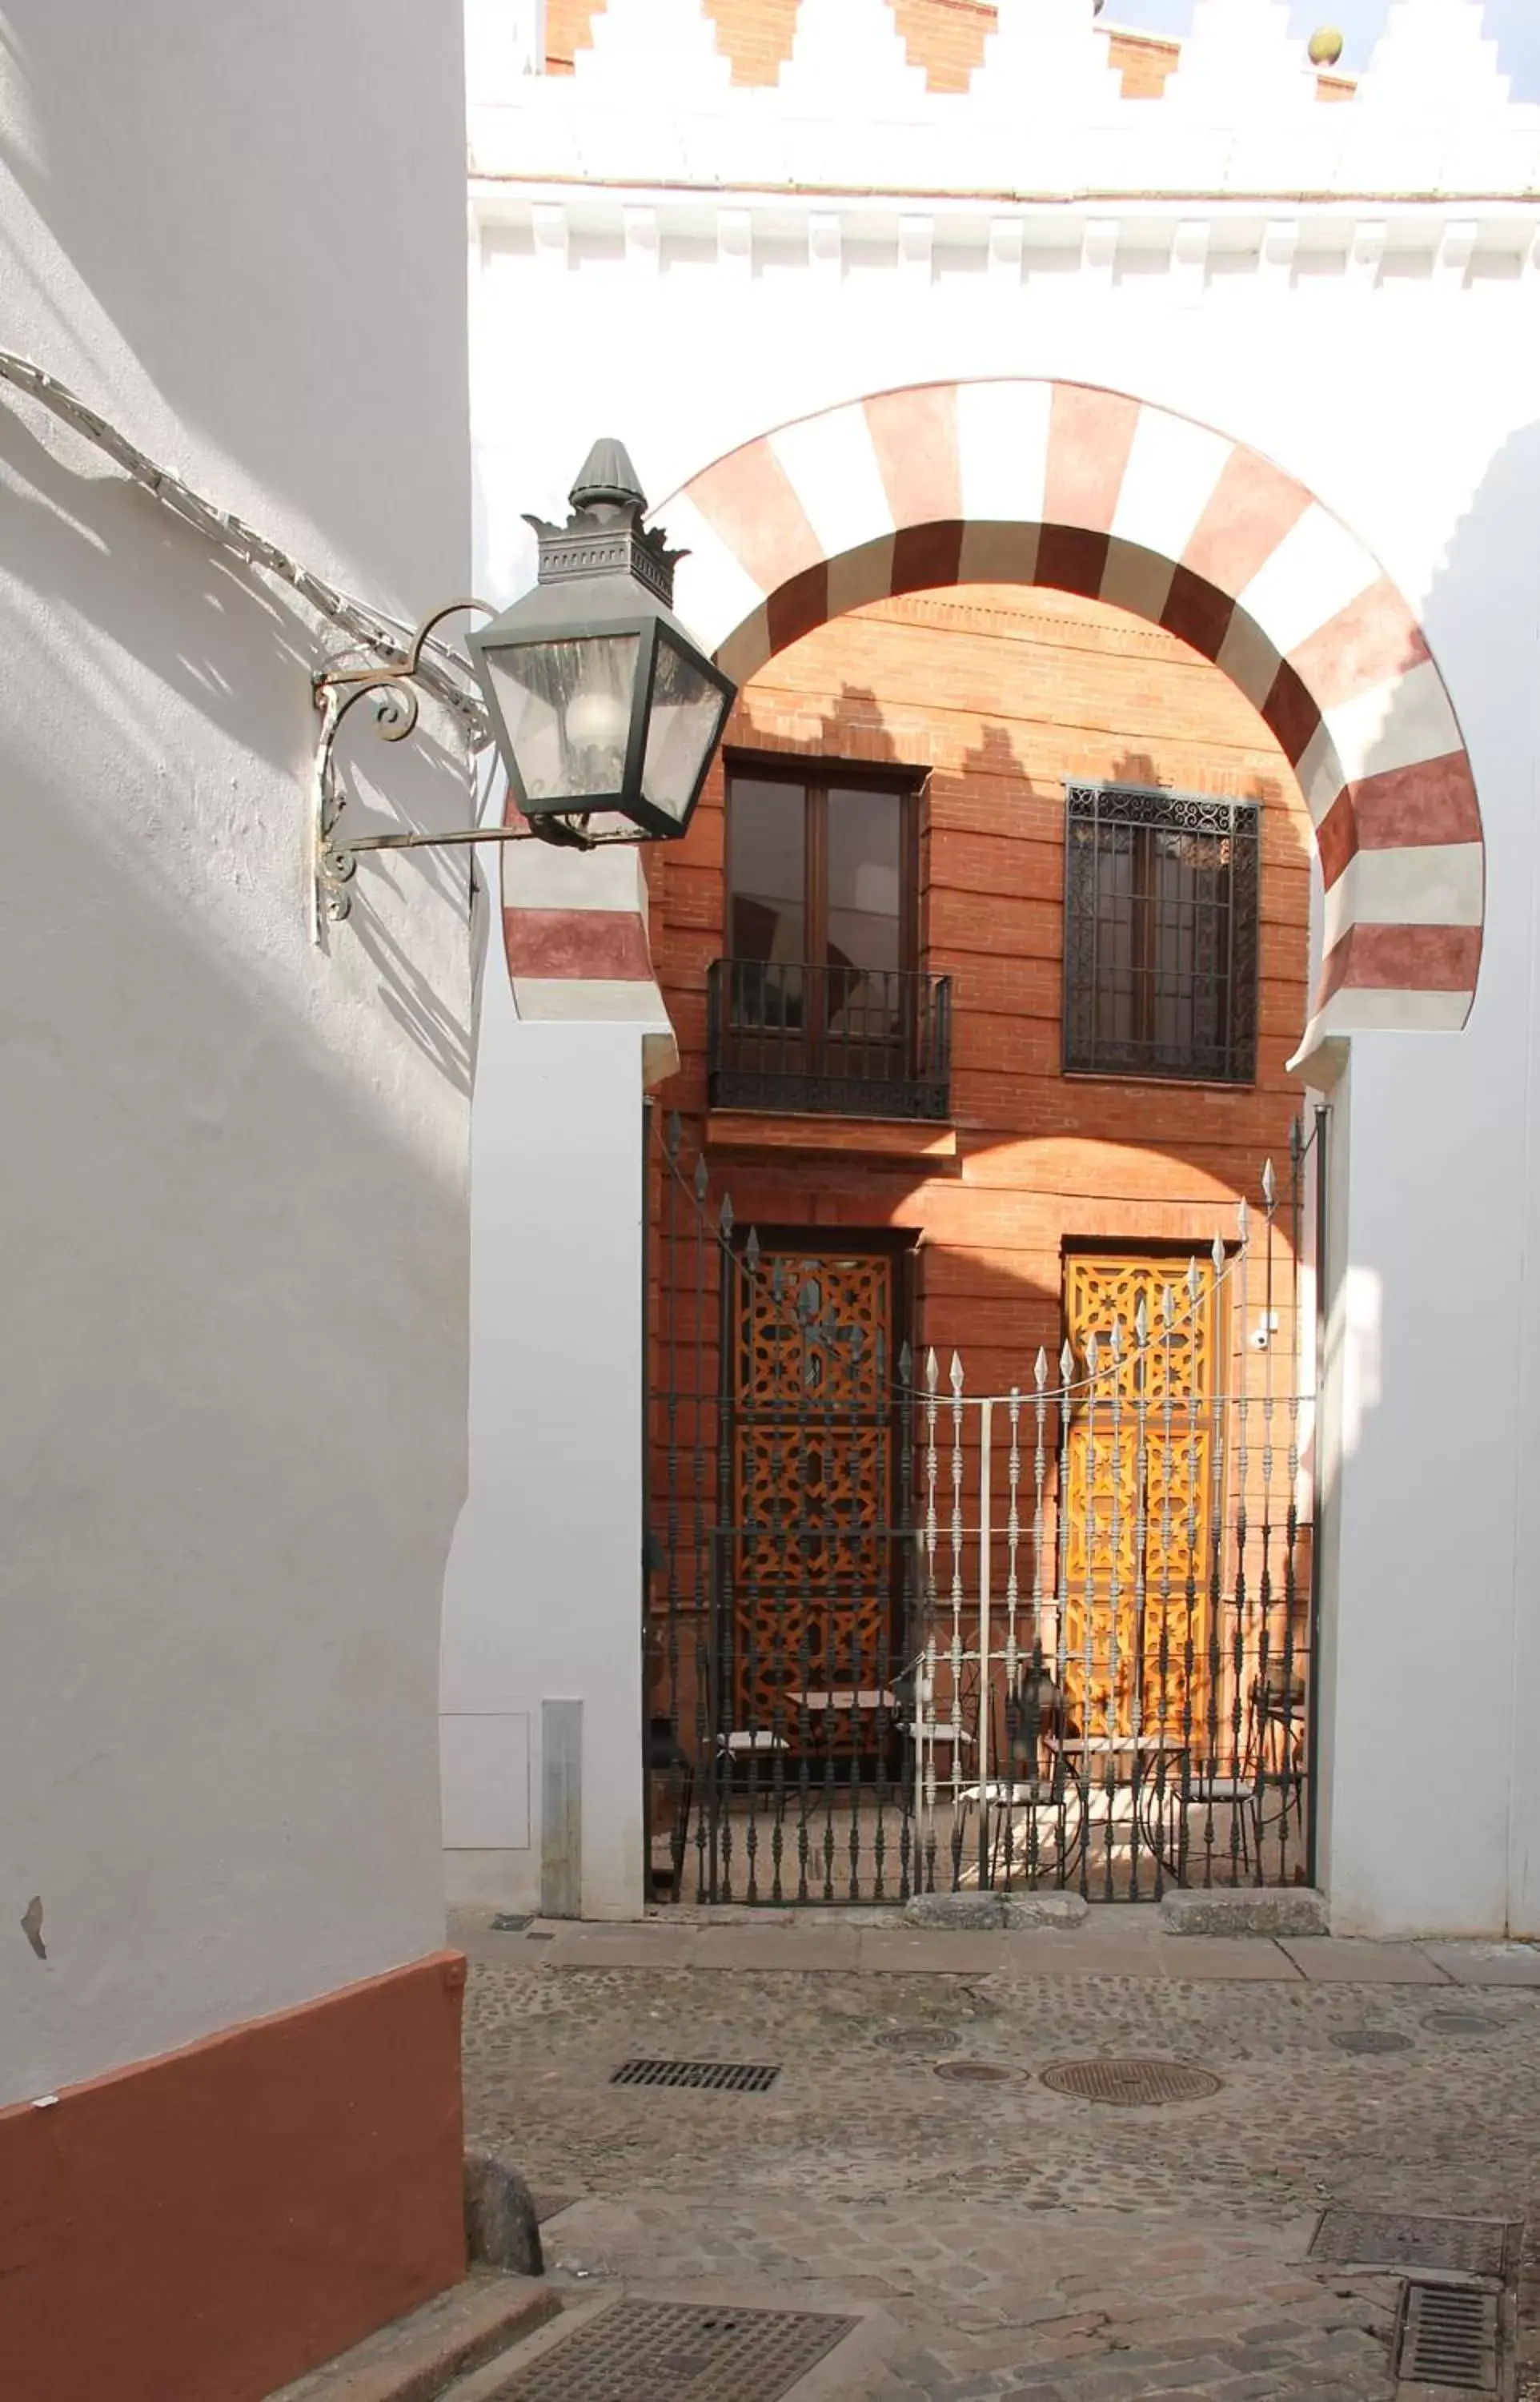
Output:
x=818 y=776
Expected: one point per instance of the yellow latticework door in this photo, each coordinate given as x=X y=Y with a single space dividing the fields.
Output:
x=813 y=1494
x=1139 y=1491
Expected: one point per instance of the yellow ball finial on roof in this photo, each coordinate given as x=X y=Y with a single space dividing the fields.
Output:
x=1325 y=47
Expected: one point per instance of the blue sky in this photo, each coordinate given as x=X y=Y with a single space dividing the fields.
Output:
x=1514 y=24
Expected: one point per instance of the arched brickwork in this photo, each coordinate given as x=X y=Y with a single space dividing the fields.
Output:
x=1092 y=492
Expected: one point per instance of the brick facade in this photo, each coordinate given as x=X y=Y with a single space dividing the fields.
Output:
x=998 y=694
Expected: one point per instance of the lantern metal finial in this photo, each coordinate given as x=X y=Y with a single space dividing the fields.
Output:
x=607 y=478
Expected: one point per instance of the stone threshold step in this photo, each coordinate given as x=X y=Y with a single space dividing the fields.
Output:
x=425 y=2355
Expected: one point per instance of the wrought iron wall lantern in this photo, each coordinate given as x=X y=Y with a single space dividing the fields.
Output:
x=605 y=713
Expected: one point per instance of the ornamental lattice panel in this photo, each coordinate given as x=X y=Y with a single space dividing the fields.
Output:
x=1140 y=1495
x=812 y=1499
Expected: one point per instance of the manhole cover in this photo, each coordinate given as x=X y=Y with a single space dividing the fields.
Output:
x=679 y=2352
x=1388 y=2239
x=1461 y=2022
x=1449 y=2339
x=1128 y=2081
x=975 y=2072
x=704 y=2076
x=919 y=2039
x=1370 y=2039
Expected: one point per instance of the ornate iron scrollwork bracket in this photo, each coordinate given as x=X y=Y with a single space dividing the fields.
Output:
x=396 y=687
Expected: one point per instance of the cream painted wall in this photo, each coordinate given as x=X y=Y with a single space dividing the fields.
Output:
x=233 y=1205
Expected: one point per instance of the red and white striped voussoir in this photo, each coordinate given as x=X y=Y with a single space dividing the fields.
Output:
x=574 y=934
x=1091 y=491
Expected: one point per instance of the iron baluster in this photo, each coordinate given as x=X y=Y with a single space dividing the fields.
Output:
x=908 y=1681
x=1034 y=1725
x=778 y=1730
x=829 y=1541
x=1215 y=1553
x=932 y=1609
x=1168 y=1799
x=1196 y=1517
x=724 y=1649
x=1114 y=1657
x=986 y=1665
x=1141 y=1536
x=1093 y=1353
x=1239 y=1604
x=954 y=1377
x=858 y=1713
x=751 y=1545
x=1012 y=1604
x=1061 y=1613
x=882 y=1664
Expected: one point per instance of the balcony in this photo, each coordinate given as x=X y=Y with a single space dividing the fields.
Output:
x=787 y=1038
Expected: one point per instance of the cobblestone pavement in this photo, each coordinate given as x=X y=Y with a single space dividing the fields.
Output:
x=998 y=2238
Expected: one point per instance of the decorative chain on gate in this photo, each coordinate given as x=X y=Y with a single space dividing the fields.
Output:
x=903 y=1638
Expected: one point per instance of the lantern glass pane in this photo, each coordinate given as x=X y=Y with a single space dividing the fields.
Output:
x=683 y=722
x=567 y=706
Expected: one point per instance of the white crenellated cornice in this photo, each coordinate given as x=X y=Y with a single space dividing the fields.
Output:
x=652 y=104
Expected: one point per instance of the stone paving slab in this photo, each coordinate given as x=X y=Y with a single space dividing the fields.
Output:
x=623 y=1947
x=1035 y=1953
x=1330 y=1959
x=953 y=1956
x=1487 y=1963
x=800 y=1950
x=1226 y=1957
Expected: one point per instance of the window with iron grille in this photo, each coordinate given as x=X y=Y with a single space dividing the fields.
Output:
x=1161 y=920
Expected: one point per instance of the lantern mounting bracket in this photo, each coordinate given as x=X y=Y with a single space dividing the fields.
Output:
x=392 y=681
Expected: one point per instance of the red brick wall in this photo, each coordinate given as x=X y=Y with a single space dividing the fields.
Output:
x=944 y=36
x=1000 y=695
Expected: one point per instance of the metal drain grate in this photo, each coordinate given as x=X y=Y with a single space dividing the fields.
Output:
x=1386 y=2239
x=1370 y=2039
x=1449 y=2339
x=1132 y=2081
x=705 y=2075
x=679 y=2352
x=975 y=2072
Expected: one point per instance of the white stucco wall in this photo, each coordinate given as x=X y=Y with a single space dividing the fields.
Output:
x=543 y=1599
x=233 y=1208
x=1383 y=351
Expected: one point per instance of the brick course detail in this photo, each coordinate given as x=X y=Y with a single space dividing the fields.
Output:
x=999 y=695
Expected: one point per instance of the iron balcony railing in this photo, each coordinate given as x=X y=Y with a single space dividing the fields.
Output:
x=829 y=1041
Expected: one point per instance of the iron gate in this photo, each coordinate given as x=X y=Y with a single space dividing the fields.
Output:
x=904 y=1637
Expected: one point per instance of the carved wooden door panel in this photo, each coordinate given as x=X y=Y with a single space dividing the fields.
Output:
x=1139 y=1491
x=813 y=1500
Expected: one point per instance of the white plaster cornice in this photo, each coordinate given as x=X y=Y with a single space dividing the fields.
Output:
x=1450 y=240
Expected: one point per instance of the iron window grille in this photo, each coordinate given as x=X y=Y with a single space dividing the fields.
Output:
x=1161 y=933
